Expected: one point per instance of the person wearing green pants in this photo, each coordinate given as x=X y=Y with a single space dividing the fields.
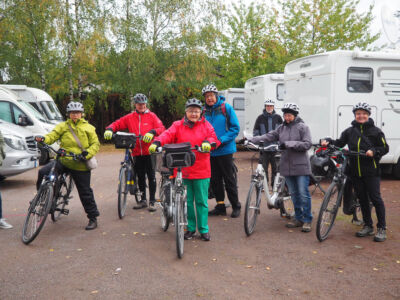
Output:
x=193 y=128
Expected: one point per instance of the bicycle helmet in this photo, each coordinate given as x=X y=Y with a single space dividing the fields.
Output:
x=363 y=106
x=291 y=108
x=194 y=102
x=74 y=106
x=269 y=102
x=140 y=98
x=209 y=88
x=319 y=165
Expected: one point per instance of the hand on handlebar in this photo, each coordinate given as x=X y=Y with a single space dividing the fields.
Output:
x=369 y=153
x=153 y=148
x=282 y=146
x=205 y=146
x=39 y=138
x=108 y=134
x=61 y=152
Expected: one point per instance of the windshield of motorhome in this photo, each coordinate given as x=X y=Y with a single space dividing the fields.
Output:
x=29 y=107
x=51 y=110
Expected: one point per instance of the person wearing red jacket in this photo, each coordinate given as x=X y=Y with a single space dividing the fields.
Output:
x=145 y=123
x=193 y=128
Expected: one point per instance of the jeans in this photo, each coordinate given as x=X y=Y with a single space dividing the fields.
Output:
x=143 y=167
x=298 y=188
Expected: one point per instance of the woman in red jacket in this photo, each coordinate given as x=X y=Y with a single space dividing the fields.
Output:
x=193 y=128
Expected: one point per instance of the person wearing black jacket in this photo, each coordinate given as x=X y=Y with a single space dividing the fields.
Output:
x=363 y=135
x=269 y=120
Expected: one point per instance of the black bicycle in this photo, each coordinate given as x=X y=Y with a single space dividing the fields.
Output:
x=335 y=192
x=127 y=182
x=52 y=197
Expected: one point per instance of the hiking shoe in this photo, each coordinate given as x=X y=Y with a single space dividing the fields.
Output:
x=205 y=237
x=294 y=224
x=217 y=212
x=4 y=224
x=91 y=225
x=140 y=205
x=189 y=235
x=151 y=207
x=306 y=227
x=380 y=236
x=235 y=213
x=366 y=231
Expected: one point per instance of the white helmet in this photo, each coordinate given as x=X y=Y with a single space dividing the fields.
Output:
x=363 y=106
x=292 y=108
x=269 y=102
x=74 y=106
x=209 y=88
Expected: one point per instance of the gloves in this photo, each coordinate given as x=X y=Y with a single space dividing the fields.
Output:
x=282 y=146
x=148 y=137
x=205 y=146
x=108 y=134
x=153 y=148
x=61 y=152
x=39 y=138
x=82 y=156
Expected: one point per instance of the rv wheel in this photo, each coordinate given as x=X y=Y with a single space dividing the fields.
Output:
x=44 y=156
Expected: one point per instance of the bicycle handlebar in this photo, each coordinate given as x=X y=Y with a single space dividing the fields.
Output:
x=273 y=147
x=195 y=147
x=331 y=148
x=70 y=154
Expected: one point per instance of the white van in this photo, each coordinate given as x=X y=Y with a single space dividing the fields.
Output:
x=20 y=148
x=17 y=111
x=327 y=85
x=235 y=97
x=256 y=91
x=39 y=99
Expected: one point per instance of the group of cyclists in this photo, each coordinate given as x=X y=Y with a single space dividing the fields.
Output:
x=213 y=125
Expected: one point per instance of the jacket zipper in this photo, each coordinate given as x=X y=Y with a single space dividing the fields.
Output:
x=140 y=144
x=358 y=149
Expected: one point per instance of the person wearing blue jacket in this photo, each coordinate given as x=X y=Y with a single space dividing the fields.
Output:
x=223 y=118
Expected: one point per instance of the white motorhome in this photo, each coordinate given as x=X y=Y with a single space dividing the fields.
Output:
x=235 y=97
x=256 y=91
x=327 y=85
x=15 y=110
x=39 y=99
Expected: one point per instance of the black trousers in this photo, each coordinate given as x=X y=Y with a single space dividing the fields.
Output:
x=82 y=182
x=143 y=167
x=268 y=157
x=223 y=171
x=368 y=189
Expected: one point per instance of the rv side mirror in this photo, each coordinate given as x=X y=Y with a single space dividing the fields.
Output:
x=24 y=120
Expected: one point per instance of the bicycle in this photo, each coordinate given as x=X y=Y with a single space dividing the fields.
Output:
x=280 y=199
x=335 y=192
x=127 y=176
x=173 y=191
x=52 y=197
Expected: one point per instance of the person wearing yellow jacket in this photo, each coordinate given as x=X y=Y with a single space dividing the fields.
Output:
x=80 y=173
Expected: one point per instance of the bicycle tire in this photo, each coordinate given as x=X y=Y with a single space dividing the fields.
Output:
x=252 y=209
x=179 y=225
x=286 y=205
x=37 y=212
x=60 y=200
x=122 y=192
x=328 y=211
x=165 y=201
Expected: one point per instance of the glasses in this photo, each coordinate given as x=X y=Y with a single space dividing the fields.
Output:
x=75 y=112
x=197 y=112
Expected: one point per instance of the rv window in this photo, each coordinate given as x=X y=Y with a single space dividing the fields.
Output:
x=360 y=80
x=238 y=103
x=5 y=111
x=280 y=91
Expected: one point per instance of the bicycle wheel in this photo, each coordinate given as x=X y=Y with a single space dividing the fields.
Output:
x=122 y=192
x=252 y=209
x=61 y=199
x=328 y=211
x=179 y=225
x=37 y=213
x=286 y=205
x=165 y=201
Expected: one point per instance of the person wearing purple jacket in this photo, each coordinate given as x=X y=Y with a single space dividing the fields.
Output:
x=294 y=139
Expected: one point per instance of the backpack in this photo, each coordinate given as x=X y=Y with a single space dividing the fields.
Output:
x=223 y=110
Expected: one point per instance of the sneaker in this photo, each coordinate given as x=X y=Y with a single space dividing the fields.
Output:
x=205 y=237
x=380 y=236
x=306 y=227
x=366 y=231
x=151 y=207
x=140 y=205
x=235 y=213
x=217 y=211
x=294 y=224
x=4 y=224
x=91 y=225
x=189 y=235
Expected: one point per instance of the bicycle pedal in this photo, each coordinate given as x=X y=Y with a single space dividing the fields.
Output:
x=65 y=211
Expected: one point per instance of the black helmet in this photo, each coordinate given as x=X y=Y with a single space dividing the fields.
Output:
x=74 y=106
x=140 y=98
x=363 y=106
x=291 y=108
x=209 y=88
x=319 y=165
x=194 y=102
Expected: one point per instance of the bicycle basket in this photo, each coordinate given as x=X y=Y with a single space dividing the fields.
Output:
x=124 y=140
x=178 y=155
x=319 y=165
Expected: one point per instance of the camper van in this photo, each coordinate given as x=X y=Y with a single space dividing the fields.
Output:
x=256 y=91
x=17 y=111
x=39 y=99
x=235 y=97
x=327 y=85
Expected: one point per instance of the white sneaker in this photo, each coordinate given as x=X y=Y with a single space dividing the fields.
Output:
x=4 y=224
